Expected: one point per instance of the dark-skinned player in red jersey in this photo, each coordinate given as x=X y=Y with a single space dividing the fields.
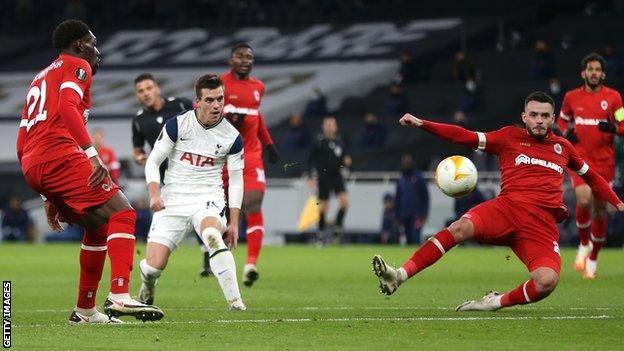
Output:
x=523 y=217
x=243 y=94
x=60 y=162
x=595 y=114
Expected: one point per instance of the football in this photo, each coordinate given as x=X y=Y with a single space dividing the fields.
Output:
x=456 y=176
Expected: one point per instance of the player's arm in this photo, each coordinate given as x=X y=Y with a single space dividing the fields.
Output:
x=162 y=149
x=266 y=140
x=138 y=141
x=597 y=183
x=450 y=132
x=565 y=119
x=70 y=96
x=235 y=167
x=618 y=117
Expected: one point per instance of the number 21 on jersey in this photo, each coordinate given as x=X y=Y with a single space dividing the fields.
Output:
x=35 y=98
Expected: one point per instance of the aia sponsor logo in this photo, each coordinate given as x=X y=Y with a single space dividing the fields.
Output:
x=197 y=160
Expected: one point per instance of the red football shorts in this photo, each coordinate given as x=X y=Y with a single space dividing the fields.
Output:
x=530 y=231
x=606 y=171
x=64 y=183
x=253 y=175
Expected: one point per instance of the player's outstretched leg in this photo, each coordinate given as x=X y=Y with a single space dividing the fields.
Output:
x=224 y=267
x=598 y=237
x=205 y=269
x=543 y=281
x=93 y=316
x=120 y=243
x=149 y=279
x=255 y=234
x=430 y=252
x=583 y=223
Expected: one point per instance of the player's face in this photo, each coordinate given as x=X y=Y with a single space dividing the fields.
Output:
x=538 y=117
x=89 y=51
x=210 y=105
x=148 y=92
x=330 y=127
x=593 y=74
x=242 y=61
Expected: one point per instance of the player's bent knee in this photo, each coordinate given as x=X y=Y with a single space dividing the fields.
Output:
x=546 y=281
x=462 y=229
x=213 y=239
x=122 y=221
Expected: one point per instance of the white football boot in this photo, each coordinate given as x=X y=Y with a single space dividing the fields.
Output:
x=489 y=302
x=127 y=306
x=581 y=257
x=591 y=267
x=389 y=279
x=98 y=317
x=237 y=305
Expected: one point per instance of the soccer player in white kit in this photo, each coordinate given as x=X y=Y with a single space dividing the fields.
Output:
x=198 y=144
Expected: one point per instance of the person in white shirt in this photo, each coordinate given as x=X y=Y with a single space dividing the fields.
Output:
x=198 y=143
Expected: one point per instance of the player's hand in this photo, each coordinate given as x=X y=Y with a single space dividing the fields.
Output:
x=140 y=159
x=347 y=161
x=53 y=216
x=273 y=154
x=157 y=203
x=620 y=207
x=607 y=127
x=99 y=172
x=231 y=237
x=571 y=136
x=409 y=120
x=420 y=222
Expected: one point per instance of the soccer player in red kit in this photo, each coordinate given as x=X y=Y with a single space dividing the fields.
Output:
x=525 y=214
x=107 y=154
x=243 y=95
x=595 y=113
x=60 y=162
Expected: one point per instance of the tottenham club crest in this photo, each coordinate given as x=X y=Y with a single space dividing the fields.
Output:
x=604 y=104
x=81 y=74
x=558 y=149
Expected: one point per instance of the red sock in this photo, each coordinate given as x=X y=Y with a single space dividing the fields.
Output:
x=524 y=293
x=431 y=251
x=598 y=236
x=255 y=233
x=583 y=223
x=121 y=249
x=92 y=257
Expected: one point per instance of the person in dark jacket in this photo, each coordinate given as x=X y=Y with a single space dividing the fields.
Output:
x=411 y=200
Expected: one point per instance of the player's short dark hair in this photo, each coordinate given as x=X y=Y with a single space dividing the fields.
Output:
x=240 y=45
x=67 y=32
x=144 y=76
x=539 y=96
x=207 y=81
x=592 y=57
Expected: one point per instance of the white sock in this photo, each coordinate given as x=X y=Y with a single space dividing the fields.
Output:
x=118 y=296
x=224 y=268
x=222 y=263
x=149 y=274
x=86 y=311
x=401 y=275
x=591 y=265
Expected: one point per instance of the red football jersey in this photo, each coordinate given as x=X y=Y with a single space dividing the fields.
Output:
x=42 y=134
x=242 y=108
x=531 y=169
x=109 y=158
x=586 y=110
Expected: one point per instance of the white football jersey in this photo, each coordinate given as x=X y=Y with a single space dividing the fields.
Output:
x=196 y=157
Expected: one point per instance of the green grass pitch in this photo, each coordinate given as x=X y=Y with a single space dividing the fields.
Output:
x=322 y=299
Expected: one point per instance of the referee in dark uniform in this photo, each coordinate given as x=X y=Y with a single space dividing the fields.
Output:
x=328 y=155
x=148 y=123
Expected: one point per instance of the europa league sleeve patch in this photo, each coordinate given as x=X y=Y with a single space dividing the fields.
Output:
x=81 y=74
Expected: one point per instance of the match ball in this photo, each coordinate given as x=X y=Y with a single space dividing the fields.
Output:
x=456 y=176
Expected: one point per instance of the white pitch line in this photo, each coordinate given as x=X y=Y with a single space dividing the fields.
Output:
x=336 y=308
x=324 y=320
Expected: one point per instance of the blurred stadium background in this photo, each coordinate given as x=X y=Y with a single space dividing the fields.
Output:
x=365 y=62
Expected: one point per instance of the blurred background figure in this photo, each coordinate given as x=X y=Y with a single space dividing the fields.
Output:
x=107 y=154
x=144 y=218
x=396 y=103
x=16 y=222
x=411 y=201
x=373 y=133
x=298 y=135
x=389 y=224
x=316 y=107
x=543 y=64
